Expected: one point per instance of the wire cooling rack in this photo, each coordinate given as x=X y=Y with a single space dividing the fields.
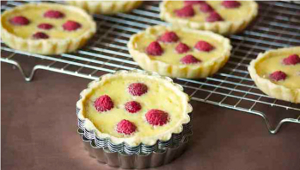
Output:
x=276 y=26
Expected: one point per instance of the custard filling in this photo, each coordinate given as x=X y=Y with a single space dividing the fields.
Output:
x=274 y=63
x=232 y=14
x=36 y=16
x=159 y=96
x=170 y=56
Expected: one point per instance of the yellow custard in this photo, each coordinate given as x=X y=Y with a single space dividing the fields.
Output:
x=170 y=56
x=35 y=15
x=273 y=63
x=161 y=95
x=232 y=14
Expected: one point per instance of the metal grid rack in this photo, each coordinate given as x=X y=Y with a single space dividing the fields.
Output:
x=276 y=26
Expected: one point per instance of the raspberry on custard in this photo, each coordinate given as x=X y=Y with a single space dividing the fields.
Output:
x=40 y=35
x=133 y=106
x=53 y=14
x=185 y=12
x=291 y=60
x=154 y=49
x=278 y=76
x=157 y=117
x=189 y=59
x=71 y=25
x=204 y=46
x=168 y=37
x=126 y=127
x=213 y=17
x=45 y=26
x=137 y=89
x=103 y=103
x=182 y=48
x=231 y=4
x=19 y=20
x=206 y=8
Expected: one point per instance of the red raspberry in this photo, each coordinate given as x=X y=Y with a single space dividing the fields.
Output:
x=213 y=17
x=133 y=106
x=126 y=127
x=103 y=103
x=157 y=117
x=204 y=46
x=71 y=25
x=137 y=89
x=291 y=60
x=231 y=4
x=193 y=2
x=206 y=8
x=19 y=20
x=189 y=59
x=182 y=48
x=278 y=75
x=168 y=37
x=53 y=14
x=154 y=49
x=40 y=35
x=45 y=26
x=185 y=12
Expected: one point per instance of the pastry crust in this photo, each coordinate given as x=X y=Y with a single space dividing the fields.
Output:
x=106 y=7
x=268 y=87
x=221 y=27
x=201 y=70
x=135 y=140
x=51 y=45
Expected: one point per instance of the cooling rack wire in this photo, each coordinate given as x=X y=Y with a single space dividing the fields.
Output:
x=276 y=26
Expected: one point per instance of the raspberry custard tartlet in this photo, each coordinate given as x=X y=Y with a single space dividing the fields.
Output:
x=277 y=73
x=179 y=52
x=224 y=17
x=46 y=28
x=106 y=7
x=134 y=113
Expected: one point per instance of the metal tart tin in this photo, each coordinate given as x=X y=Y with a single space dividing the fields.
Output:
x=134 y=161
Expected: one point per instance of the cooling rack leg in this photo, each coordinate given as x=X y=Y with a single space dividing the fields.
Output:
x=278 y=126
x=27 y=78
x=287 y=120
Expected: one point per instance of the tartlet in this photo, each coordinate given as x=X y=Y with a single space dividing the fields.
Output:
x=106 y=7
x=135 y=108
x=46 y=28
x=179 y=52
x=223 y=17
x=277 y=73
